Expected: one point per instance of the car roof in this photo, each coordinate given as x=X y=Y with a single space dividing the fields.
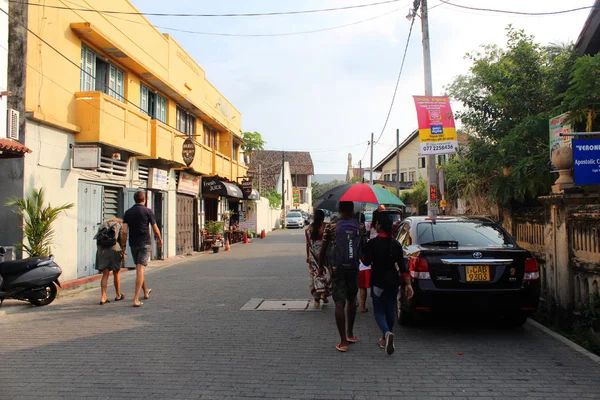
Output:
x=451 y=218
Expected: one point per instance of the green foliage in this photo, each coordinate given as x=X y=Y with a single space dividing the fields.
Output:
x=274 y=199
x=582 y=98
x=356 y=179
x=254 y=142
x=416 y=197
x=508 y=97
x=214 y=227
x=318 y=189
x=37 y=221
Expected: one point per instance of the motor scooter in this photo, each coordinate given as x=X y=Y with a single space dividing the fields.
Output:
x=33 y=279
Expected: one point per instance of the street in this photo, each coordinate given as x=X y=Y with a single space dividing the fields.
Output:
x=190 y=340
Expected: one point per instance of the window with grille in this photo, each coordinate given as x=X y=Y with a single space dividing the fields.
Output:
x=186 y=123
x=99 y=74
x=153 y=104
x=111 y=203
x=210 y=136
x=411 y=176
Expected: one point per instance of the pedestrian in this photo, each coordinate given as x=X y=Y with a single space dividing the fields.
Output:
x=364 y=271
x=137 y=221
x=109 y=256
x=319 y=278
x=386 y=258
x=342 y=247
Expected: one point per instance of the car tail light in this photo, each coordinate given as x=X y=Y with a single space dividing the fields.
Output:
x=419 y=268
x=532 y=270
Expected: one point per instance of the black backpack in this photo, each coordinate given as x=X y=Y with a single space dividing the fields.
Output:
x=348 y=238
x=106 y=236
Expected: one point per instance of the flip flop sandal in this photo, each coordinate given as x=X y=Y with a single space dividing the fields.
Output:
x=122 y=297
x=365 y=310
x=146 y=297
x=341 y=348
x=138 y=305
x=104 y=302
x=352 y=339
x=381 y=343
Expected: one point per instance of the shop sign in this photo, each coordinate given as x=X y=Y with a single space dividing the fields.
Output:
x=433 y=197
x=188 y=151
x=437 y=132
x=213 y=186
x=157 y=179
x=586 y=161
x=188 y=184
x=296 y=197
x=558 y=126
x=247 y=188
x=86 y=157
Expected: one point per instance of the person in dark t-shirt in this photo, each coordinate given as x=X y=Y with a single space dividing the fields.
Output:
x=137 y=221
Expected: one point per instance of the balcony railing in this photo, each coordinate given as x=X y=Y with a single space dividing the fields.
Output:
x=105 y=120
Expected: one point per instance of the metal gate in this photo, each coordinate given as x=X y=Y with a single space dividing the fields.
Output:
x=89 y=217
x=185 y=225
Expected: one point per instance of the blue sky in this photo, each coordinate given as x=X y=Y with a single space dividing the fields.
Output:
x=326 y=92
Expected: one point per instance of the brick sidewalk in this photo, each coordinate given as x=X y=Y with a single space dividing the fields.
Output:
x=192 y=341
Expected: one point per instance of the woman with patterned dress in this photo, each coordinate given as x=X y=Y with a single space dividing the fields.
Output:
x=319 y=279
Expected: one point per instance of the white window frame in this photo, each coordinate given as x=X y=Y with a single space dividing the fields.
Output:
x=160 y=104
x=88 y=80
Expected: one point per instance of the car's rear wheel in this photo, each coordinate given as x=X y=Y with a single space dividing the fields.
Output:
x=517 y=319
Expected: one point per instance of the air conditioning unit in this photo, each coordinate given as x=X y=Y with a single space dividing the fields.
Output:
x=12 y=130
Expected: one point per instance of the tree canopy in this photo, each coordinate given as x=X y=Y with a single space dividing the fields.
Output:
x=508 y=97
x=254 y=142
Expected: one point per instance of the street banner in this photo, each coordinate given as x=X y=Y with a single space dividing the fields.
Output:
x=586 y=161
x=437 y=132
x=296 y=197
x=558 y=126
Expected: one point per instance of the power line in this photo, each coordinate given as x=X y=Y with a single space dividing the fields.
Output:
x=518 y=12
x=262 y=34
x=266 y=14
x=415 y=7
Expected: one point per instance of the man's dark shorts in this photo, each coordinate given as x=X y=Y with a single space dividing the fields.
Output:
x=344 y=284
x=141 y=254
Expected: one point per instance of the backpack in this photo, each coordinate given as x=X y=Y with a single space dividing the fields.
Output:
x=347 y=244
x=106 y=236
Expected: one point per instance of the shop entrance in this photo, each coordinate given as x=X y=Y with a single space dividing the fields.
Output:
x=186 y=219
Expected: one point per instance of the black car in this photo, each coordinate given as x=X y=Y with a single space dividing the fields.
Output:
x=464 y=265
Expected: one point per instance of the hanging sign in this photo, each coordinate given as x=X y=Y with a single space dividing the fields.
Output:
x=586 y=161
x=433 y=198
x=188 y=151
x=558 y=126
x=437 y=132
x=296 y=197
x=247 y=188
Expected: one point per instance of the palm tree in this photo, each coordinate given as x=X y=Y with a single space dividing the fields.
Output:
x=37 y=221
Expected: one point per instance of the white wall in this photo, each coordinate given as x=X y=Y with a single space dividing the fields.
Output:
x=3 y=64
x=262 y=216
x=409 y=161
x=288 y=185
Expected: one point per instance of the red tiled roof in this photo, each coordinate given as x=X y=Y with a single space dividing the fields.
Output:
x=13 y=146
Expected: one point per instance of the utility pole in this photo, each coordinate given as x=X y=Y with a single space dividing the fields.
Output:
x=361 y=172
x=398 y=163
x=371 y=170
x=259 y=178
x=283 y=181
x=431 y=173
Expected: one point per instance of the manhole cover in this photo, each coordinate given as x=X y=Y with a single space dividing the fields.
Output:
x=278 y=305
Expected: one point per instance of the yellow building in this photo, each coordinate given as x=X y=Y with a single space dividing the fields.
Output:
x=110 y=101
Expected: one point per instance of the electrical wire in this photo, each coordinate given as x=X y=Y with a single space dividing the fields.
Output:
x=519 y=12
x=399 y=73
x=266 y=14
x=262 y=34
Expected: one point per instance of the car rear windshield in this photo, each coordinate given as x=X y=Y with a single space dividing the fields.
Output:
x=294 y=215
x=469 y=233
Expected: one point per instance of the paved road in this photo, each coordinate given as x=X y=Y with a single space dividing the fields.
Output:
x=191 y=341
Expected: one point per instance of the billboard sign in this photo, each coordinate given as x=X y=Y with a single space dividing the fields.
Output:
x=437 y=132
x=558 y=126
x=586 y=161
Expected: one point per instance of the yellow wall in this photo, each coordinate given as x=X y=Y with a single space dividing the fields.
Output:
x=159 y=60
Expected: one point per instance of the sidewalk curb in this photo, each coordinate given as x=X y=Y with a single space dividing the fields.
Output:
x=156 y=264
x=564 y=340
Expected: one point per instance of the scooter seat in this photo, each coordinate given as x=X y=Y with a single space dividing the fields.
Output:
x=8 y=268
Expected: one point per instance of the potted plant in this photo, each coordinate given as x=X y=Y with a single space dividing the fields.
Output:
x=215 y=228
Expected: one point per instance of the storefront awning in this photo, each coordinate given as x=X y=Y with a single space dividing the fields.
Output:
x=11 y=148
x=217 y=187
x=254 y=195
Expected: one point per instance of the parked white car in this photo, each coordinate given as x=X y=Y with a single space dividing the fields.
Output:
x=294 y=219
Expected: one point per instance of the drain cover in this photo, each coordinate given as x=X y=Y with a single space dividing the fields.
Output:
x=278 y=305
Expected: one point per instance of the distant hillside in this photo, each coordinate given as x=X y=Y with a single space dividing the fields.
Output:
x=326 y=178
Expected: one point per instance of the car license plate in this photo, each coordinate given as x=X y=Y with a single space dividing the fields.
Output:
x=477 y=273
